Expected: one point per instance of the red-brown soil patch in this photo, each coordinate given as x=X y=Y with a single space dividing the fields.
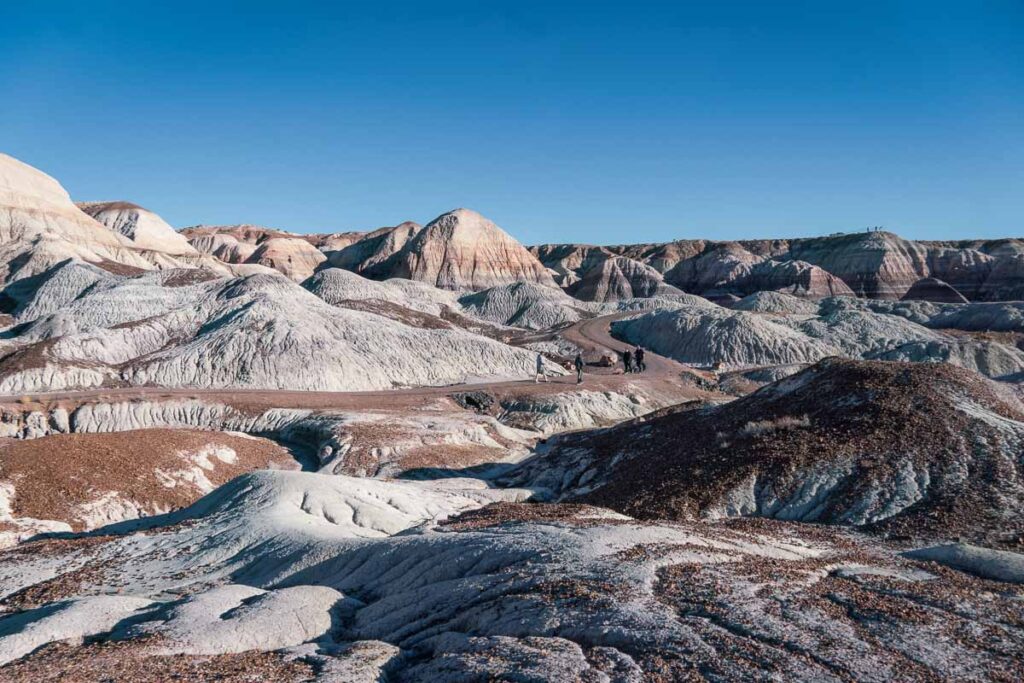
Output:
x=393 y=311
x=54 y=475
x=119 y=268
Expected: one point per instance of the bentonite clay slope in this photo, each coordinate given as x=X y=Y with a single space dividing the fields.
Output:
x=524 y=304
x=362 y=580
x=838 y=327
x=920 y=449
x=145 y=229
x=40 y=226
x=296 y=258
x=261 y=331
x=340 y=287
x=462 y=250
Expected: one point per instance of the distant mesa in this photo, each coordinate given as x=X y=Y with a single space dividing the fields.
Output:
x=876 y=265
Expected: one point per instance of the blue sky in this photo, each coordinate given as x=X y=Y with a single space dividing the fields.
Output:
x=561 y=121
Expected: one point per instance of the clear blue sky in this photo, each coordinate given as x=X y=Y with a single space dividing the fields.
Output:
x=584 y=121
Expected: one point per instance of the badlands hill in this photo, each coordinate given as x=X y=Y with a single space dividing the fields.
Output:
x=294 y=256
x=373 y=248
x=255 y=235
x=617 y=278
x=462 y=250
x=261 y=331
x=40 y=226
x=145 y=229
x=771 y=328
x=912 y=449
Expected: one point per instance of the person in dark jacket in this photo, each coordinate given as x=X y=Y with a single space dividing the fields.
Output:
x=627 y=361
x=578 y=364
x=638 y=354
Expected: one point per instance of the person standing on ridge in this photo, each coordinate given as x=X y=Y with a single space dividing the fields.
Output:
x=578 y=364
x=627 y=361
x=638 y=354
x=540 y=370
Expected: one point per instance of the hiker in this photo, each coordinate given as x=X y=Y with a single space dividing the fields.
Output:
x=638 y=354
x=627 y=361
x=578 y=364
x=540 y=370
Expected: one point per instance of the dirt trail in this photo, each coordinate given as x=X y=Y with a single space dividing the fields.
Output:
x=592 y=335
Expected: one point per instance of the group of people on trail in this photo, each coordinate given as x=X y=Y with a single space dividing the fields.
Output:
x=577 y=363
x=633 y=360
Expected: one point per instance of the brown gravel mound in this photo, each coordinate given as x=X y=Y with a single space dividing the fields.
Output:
x=53 y=476
x=874 y=421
